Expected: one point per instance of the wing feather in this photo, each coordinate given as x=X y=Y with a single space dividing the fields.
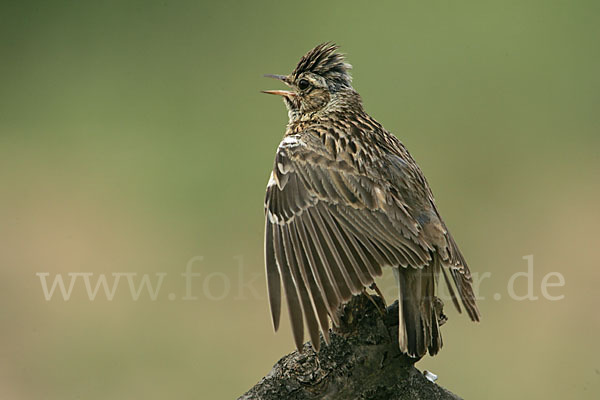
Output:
x=273 y=277
x=355 y=236
x=305 y=300
x=309 y=279
x=332 y=300
x=331 y=227
x=351 y=255
x=335 y=278
x=291 y=294
x=334 y=256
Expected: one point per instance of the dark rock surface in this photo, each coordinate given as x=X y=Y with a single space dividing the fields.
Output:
x=361 y=362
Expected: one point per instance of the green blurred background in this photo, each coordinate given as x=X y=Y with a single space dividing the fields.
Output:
x=133 y=137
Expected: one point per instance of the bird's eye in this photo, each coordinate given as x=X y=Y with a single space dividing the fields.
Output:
x=303 y=84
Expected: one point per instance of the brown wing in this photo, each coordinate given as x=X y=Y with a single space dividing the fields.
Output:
x=330 y=229
x=404 y=174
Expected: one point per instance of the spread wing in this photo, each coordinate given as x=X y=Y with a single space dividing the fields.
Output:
x=331 y=226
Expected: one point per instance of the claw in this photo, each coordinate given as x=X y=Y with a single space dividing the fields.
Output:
x=376 y=289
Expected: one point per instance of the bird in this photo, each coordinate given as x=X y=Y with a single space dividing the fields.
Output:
x=345 y=200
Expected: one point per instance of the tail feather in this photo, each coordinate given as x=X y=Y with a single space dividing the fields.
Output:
x=418 y=327
x=402 y=336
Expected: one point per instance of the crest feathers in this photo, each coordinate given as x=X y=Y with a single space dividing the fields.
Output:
x=323 y=60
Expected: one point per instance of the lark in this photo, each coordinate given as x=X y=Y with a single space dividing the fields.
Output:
x=346 y=200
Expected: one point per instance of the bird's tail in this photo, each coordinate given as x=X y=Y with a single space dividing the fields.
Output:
x=419 y=314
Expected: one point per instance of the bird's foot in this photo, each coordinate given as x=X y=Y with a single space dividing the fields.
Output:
x=438 y=305
x=372 y=300
x=376 y=289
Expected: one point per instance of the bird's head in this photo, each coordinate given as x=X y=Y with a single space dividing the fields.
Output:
x=320 y=82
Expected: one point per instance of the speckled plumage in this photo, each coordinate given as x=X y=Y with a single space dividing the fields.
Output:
x=346 y=199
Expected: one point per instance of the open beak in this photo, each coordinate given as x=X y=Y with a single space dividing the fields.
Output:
x=284 y=93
